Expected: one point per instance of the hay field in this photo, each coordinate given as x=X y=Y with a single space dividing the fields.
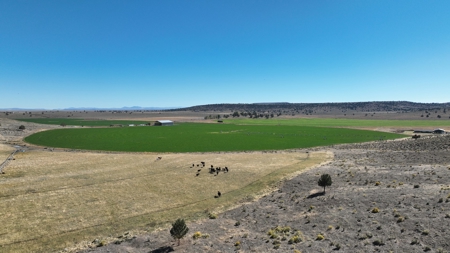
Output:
x=54 y=200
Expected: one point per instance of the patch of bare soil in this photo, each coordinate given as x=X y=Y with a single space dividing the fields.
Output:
x=391 y=196
x=11 y=134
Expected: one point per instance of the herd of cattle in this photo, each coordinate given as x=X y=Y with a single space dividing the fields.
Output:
x=212 y=169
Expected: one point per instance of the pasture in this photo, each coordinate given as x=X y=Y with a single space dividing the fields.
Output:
x=347 y=123
x=54 y=200
x=195 y=137
x=82 y=122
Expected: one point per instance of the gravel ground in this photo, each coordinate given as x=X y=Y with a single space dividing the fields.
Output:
x=11 y=134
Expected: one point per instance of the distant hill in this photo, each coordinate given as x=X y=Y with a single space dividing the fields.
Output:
x=385 y=106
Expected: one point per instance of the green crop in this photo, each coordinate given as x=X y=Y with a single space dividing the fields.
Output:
x=84 y=122
x=192 y=137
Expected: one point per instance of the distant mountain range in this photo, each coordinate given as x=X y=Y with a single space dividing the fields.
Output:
x=125 y=108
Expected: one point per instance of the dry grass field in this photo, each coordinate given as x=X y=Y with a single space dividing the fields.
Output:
x=5 y=151
x=55 y=199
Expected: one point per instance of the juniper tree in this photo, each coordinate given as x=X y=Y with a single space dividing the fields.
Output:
x=324 y=181
x=179 y=229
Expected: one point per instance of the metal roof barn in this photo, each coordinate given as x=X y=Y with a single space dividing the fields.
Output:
x=164 y=123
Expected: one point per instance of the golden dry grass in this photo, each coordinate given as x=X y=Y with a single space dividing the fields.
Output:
x=53 y=200
x=5 y=151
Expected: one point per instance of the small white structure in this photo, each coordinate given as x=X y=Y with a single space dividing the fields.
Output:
x=164 y=123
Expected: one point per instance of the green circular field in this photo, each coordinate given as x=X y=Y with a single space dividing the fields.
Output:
x=191 y=137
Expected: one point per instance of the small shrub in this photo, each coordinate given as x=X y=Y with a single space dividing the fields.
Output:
x=415 y=241
x=416 y=186
x=286 y=229
x=426 y=232
x=237 y=223
x=375 y=210
x=101 y=244
x=330 y=227
x=300 y=235
x=272 y=234
x=212 y=216
x=400 y=219
x=276 y=244
x=378 y=242
x=337 y=246
x=294 y=239
x=22 y=127
x=237 y=244
x=197 y=235
x=377 y=183
x=320 y=237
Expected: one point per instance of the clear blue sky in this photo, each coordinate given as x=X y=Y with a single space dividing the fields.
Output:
x=103 y=53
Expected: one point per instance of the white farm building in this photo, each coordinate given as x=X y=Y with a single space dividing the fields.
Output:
x=163 y=123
